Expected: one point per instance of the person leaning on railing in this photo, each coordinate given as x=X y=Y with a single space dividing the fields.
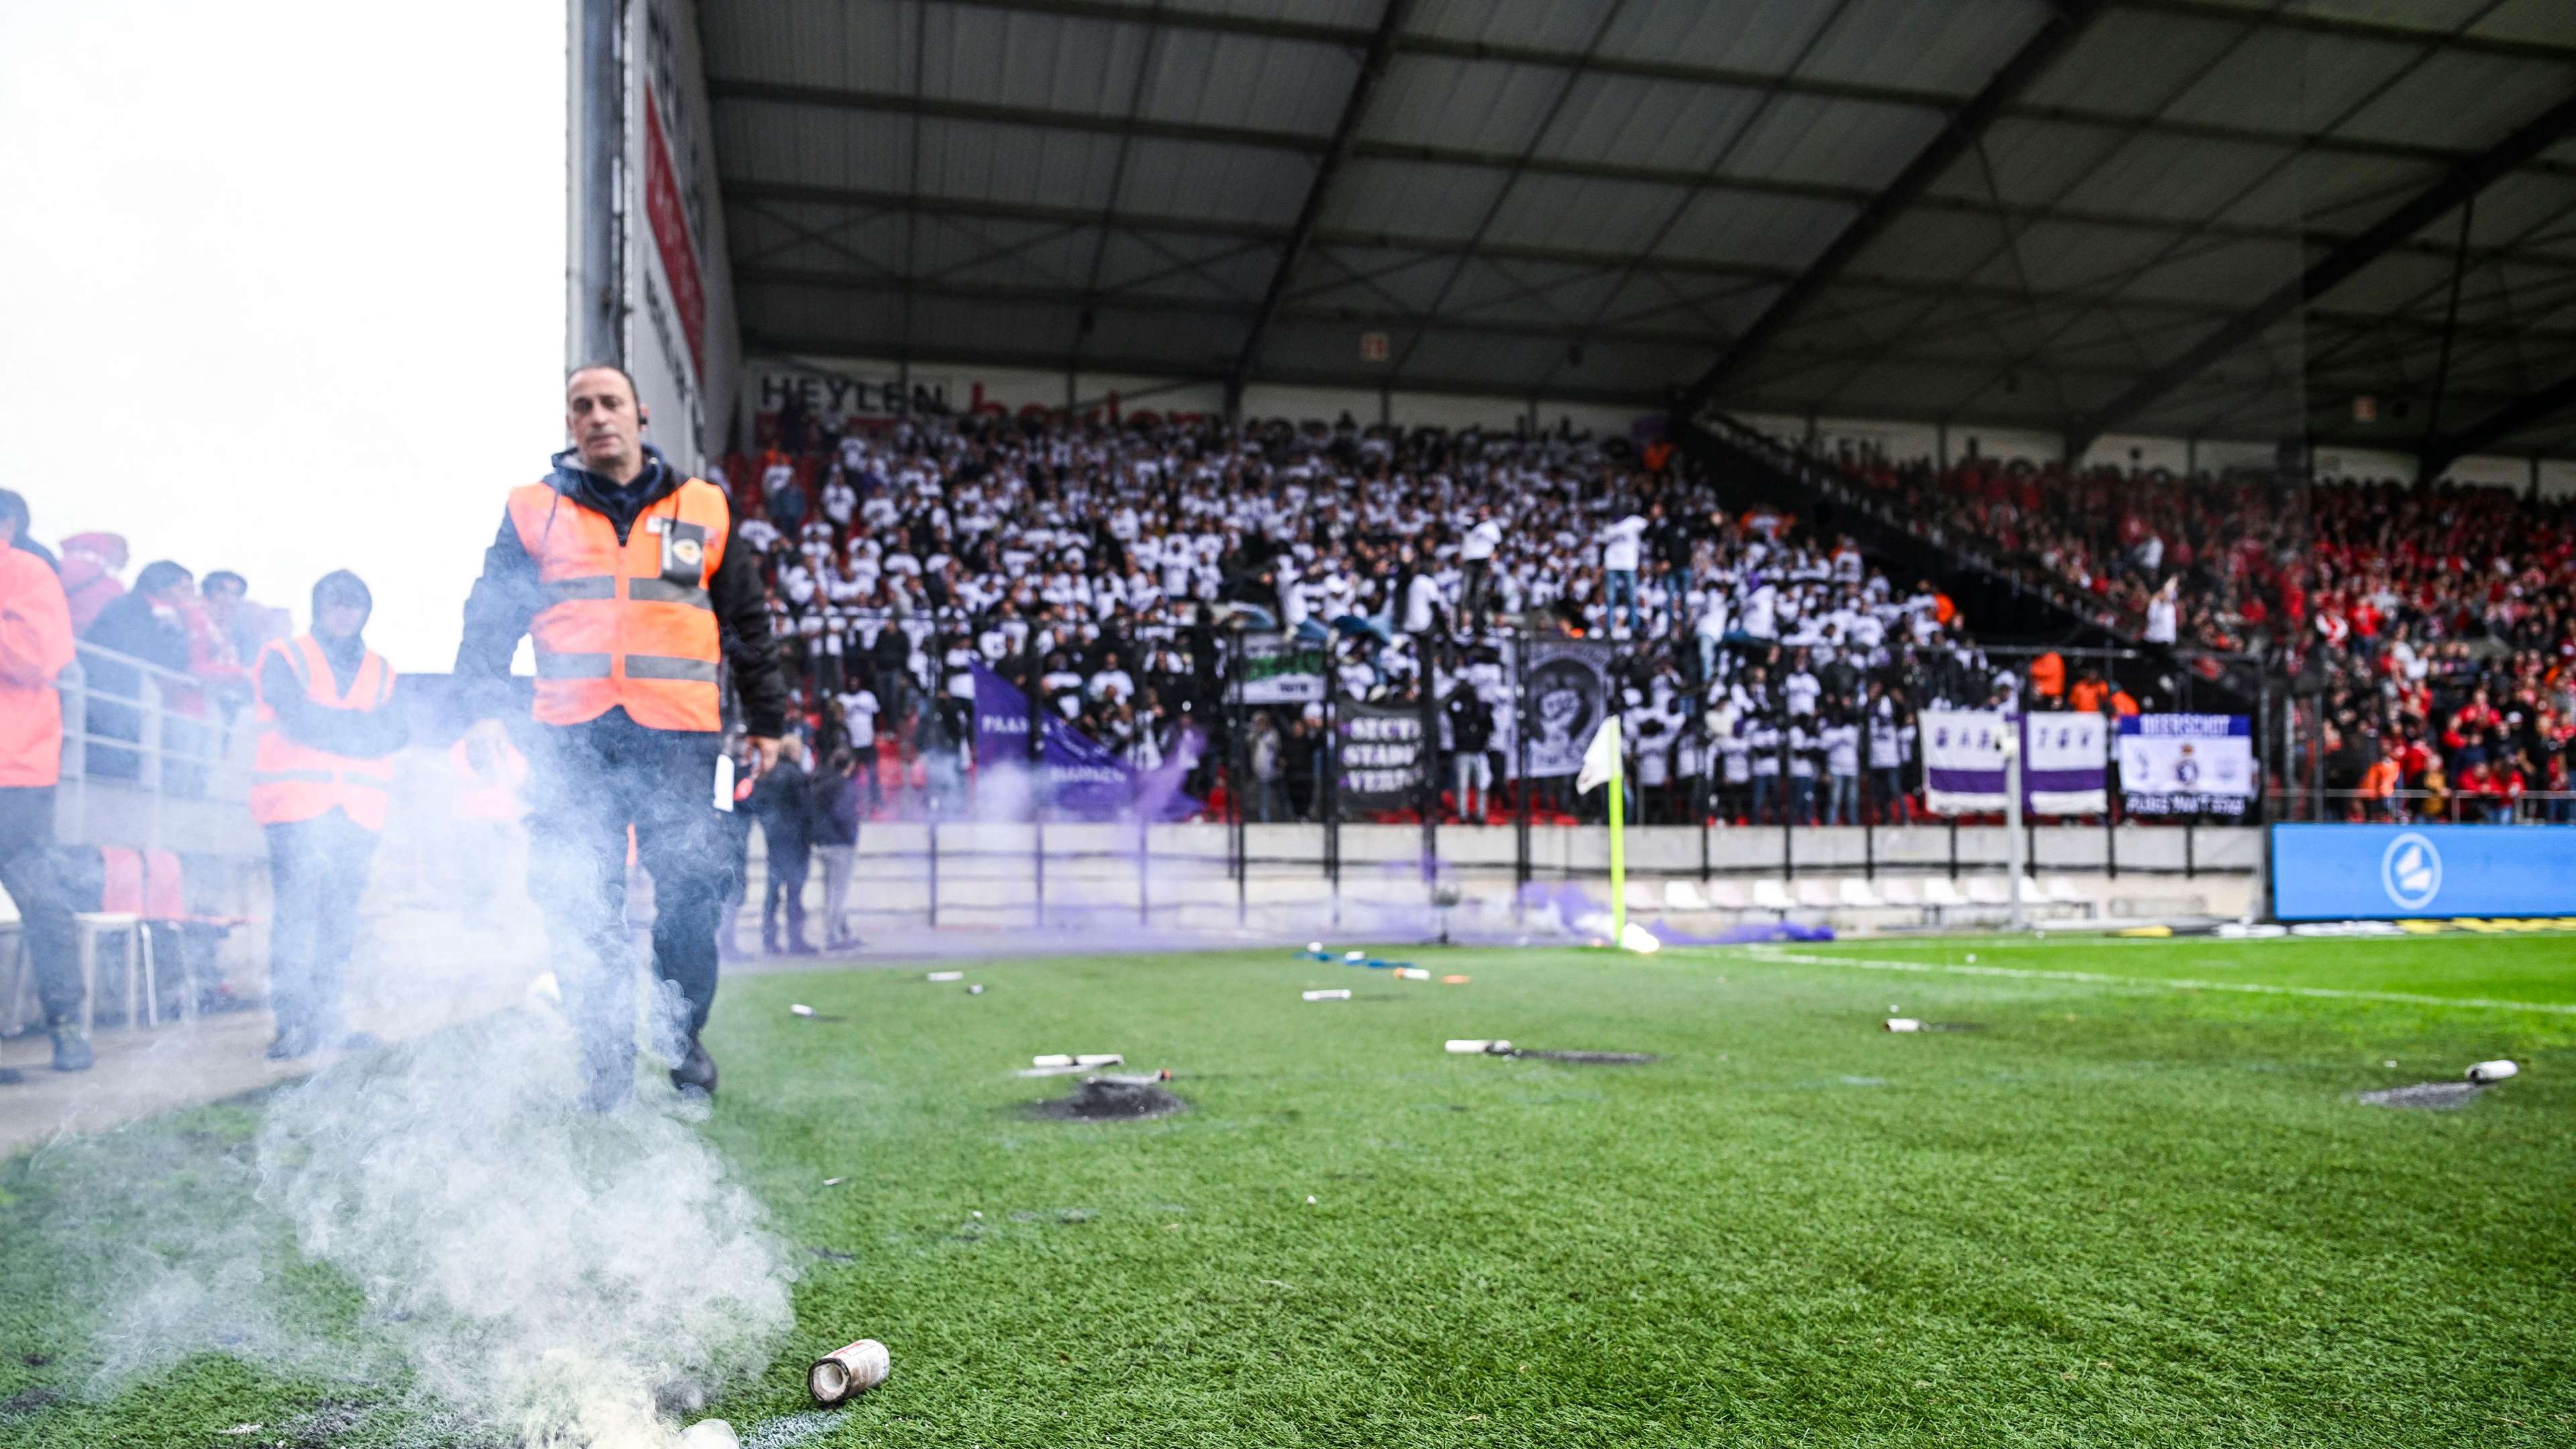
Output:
x=35 y=647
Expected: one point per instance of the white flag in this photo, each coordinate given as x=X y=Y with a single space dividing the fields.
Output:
x=1601 y=759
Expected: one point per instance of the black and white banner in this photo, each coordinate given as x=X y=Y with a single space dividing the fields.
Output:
x=1566 y=682
x=2187 y=764
x=1382 y=757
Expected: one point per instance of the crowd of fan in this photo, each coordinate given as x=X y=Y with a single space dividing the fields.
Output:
x=204 y=635
x=1103 y=565
x=2437 y=621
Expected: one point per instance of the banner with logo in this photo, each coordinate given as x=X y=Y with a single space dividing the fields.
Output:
x=2394 y=872
x=1567 y=679
x=2186 y=764
x=1276 y=669
x=2063 y=760
x=1080 y=775
x=1382 y=757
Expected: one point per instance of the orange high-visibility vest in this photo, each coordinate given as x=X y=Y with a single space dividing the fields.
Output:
x=293 y=781
x=626 y=625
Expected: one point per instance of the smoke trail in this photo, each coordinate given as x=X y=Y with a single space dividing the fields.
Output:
x=558 y=1275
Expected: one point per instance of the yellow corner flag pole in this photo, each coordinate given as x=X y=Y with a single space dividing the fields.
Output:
x=1618 y=857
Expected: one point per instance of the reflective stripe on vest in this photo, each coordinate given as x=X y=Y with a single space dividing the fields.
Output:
x=293 y=781
x=617 y=630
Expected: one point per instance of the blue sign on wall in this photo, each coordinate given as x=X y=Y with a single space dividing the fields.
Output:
x=2364 y=872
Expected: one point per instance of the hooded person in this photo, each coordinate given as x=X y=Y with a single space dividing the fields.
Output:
x=641 y=604
x=319 y=790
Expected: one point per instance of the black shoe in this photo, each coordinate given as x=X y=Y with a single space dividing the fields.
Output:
x=696 y=1071
x=11 y=1076
x=71 y=1049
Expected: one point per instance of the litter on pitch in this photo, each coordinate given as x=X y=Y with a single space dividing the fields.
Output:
x=848 y=1371
x=798 y=1008
x=1355 y=956
x=975 y=990
x=1338 y=994
x=1453 y=980
x=947 y=976
x=1314 y=952
x=1078 y=1059
x=1907 y=1023
x=1375 y=964
x=2495 y=1071
x=1470 y=1047
x=1411 y=973
x=1634 y=937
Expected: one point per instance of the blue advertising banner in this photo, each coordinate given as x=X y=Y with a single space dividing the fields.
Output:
x=1083 y=776
x=2389 y=872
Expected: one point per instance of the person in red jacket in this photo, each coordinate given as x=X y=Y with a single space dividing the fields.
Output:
x=35 y=647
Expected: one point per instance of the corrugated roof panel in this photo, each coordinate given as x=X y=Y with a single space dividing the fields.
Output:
x=1756 y=35
x=2031 y=163
x=1718 y=306
x=2469 y=101
x=1772 y=231
x=1943 y=45
x=1849 y=143
x=1546 y=293
x=1511 y=362
x=1016 y=59
x=2224 y=273
x=2131 y=62
x=2291 y=80
x=1564 y=211
x=2544 y=22
x=2060 y=256
x=1014 y=163
x=1359 y=14
x=1369 y=279
x=1410 y=198
x=784 y=143
x=1235 y=80
x=1210 y=268
x=1647 y=123
x=1435 y=101
x=1192 y=178
x=2333 y=189
x=1540 y=23
x=2516 y=204
x=1931 y=246
x=821 y=313
x=865 y=46
x=1195 y=344
x=2171 y=179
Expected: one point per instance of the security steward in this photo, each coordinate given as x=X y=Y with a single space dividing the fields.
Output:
x=626 y=576
x=319 y=788
x=35 y=648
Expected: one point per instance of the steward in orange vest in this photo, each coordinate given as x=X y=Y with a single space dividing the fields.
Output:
x=35 y=648
x=319 y=787
x=641 y=604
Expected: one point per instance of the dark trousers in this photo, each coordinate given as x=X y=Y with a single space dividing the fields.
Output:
x=317 y=870
x=27 y=869
x=587 y=784
x=786 y=888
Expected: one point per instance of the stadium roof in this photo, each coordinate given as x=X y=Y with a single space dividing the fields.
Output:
x=2198 y=217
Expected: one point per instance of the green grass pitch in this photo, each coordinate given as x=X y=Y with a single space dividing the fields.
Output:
x=2138 y=1207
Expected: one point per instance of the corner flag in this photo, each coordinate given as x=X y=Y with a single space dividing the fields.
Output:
x=1601 y=767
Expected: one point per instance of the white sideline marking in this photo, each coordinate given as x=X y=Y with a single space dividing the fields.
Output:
x=2095 y=978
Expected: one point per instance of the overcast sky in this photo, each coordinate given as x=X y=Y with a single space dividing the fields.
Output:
x=281 y=286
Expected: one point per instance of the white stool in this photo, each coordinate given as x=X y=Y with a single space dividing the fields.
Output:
x=91 y=927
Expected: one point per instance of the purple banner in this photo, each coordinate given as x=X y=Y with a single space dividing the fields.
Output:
x=1082 y=776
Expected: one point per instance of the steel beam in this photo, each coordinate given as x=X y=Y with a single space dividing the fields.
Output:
x=2463 y=182
x=1390 y=24
x=2059 y=31
x=2449 y=448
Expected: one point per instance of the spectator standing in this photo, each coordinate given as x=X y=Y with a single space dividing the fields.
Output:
x=144 y=624
x=1621 y=545
x=1471 y=737
x=1476 y=562
x=1268 y=765
x=35 y=647
x=781 y=803
x=1841 y=736
x=90 y=566
x=835 y=826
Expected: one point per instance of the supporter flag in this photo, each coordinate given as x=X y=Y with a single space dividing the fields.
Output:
x=2063 y=757
x=1081 y=776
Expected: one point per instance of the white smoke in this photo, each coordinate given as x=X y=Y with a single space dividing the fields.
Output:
x=563 y=1276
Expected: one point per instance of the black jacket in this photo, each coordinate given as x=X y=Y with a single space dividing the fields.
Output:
x=508 y=596
x=357 y=733
x=780 y=803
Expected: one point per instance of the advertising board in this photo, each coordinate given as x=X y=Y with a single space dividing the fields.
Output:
x=2396 y=872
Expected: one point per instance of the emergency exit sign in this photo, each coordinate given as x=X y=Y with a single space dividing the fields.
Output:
x=1372 y=347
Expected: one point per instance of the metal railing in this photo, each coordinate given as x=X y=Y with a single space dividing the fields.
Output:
x=151 y=758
